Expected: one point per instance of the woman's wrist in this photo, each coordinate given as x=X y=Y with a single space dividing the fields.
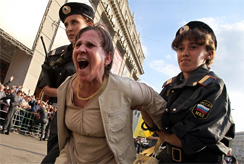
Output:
x=152 y=129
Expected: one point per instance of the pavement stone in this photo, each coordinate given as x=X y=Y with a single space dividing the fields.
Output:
x=18 y=148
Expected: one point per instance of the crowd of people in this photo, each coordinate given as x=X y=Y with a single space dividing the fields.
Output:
x=18 y=105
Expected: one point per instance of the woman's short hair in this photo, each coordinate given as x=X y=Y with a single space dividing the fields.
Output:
x=106 y=41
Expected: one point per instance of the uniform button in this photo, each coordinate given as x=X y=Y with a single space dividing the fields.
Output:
x=174 y=109
x=60 y=73
x=166 y=128
x=172 y=91
x=166 y=110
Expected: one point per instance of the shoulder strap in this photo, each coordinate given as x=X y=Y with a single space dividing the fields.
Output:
x=207 y=79
x=58 y=51
x=167 y=82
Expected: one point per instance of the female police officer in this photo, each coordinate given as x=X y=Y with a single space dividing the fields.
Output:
x=59 y=64
x=197 y=125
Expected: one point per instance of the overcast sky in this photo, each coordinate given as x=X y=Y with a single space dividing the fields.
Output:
x=157 y=22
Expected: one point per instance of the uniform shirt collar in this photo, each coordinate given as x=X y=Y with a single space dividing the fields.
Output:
x=196 y=75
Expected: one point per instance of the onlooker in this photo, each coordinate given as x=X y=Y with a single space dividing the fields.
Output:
x=2 y=104
x=6 y=88
x=34 y=103
x=41 y=118
x=12 y=108
x=7 y=91
x=2 y=93
x=25 y=103
x=19 y=88
x=19 y=94
x=23 y=106
x=50 y=113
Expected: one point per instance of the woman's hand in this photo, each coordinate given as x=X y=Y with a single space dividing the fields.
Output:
x=52 y=92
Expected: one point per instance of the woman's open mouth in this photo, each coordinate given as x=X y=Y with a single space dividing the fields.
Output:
x=82 y=63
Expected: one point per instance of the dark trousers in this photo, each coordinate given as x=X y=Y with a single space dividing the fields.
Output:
x=47 y=129
x=36 y=122
x=8 y=123
x=52 y=155
x=52 y=144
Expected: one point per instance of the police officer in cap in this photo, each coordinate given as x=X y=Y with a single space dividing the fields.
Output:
x=59 y=65
x=197 y=125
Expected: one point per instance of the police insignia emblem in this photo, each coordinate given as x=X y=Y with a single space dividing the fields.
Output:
x=202 y=109
x=184 y=29
x=60 y=60
x=168 y=91
x=52 y=63
x=66 y=10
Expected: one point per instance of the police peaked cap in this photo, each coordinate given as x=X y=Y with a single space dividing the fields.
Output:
x=200 y=26
x=72 y=8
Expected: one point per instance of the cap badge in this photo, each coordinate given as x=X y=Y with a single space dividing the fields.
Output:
x=184 y=29
x=66 y=10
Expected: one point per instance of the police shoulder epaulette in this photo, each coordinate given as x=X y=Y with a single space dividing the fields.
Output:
x=58 y=51
x=167 y=82
x=206 y=80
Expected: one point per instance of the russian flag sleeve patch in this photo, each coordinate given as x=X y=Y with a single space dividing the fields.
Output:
x=202 y=109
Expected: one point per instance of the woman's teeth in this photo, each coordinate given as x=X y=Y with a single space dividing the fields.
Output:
x=83 y=63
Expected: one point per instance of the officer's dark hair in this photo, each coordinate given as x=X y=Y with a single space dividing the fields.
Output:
x=106 y=41
x=200 y=37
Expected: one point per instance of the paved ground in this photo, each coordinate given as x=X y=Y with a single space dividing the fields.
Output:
x=21 y=149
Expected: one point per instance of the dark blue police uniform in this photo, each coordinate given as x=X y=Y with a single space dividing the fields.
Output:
x=198 y=113
x=61 y=66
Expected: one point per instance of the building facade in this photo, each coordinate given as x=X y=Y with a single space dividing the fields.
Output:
x=129 y=54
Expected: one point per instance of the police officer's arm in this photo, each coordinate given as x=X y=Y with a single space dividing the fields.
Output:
x=153 y=137
x=47 y=81
x=52 y=92
x=167 y=137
